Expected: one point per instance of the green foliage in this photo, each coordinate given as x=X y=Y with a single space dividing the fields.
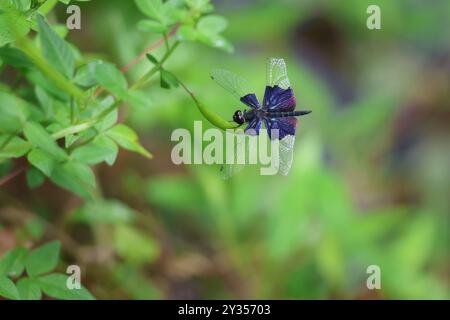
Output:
x=369 y=182
x=134 y=246
x=108 y=76
x=66 y=86
x=12 y=22
x=38 y=263
x=56 y=49
x=112 y=212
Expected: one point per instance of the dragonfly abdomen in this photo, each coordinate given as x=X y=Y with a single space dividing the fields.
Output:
x=284 y=114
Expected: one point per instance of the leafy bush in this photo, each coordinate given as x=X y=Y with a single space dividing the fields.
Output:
x=37 y=264
x=66 y=119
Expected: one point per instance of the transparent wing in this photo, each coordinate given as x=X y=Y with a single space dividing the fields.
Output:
x=234 y=84
x=229 y=170
x=277 y=73
x=286 y=132
x=286 y=154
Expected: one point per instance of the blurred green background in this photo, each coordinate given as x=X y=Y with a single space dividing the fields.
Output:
x=369 y=183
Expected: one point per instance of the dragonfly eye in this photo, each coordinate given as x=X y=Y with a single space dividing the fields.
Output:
x=238 y=117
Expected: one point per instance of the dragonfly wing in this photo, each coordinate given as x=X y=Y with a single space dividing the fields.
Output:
x=286 y=154
x=253 y=127
x=229 y=170
x=278 y=99
x=284 y=126
x=278 y=95
x=236 y=85
x=276 y=73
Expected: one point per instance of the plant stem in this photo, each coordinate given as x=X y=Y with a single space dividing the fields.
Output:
x=155 y=69
x=166 y=41
x=59 y=80
x=72 y=111
x=148 y=50
x=211 y=116
x=92 y=122
x=11 y=175
x=74 y=129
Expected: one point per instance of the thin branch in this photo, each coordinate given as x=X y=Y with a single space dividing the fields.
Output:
x=142 y=55
x=11 y=176
x=149 y=49
x=58 y=79
x=155 y=69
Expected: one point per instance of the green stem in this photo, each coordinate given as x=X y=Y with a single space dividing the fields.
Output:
x=74 y=129
x=59 y=80
x=155 y=69
x=6 y=142
x=72 y=111
x=47 y=6
x=211 y=116
x=166 y=41
x=87 y=124
x=92 y=122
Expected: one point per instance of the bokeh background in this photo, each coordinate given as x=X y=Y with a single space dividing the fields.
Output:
x=369 y=183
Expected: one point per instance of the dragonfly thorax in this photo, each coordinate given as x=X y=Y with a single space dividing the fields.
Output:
x=241 y=117
x=238 y=117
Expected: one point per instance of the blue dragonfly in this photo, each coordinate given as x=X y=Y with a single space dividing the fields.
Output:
x=277 y=111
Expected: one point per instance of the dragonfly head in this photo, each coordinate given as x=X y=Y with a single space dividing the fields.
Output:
x=238 y=117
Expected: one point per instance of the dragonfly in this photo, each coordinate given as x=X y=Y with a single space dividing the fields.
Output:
x=277 y=112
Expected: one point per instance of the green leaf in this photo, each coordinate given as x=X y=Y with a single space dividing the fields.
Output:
x=14 y=147
x=55 y=286
x=29 y=289
x=42 y=160
x=38 y=78
x=13 y=23
x=14 y=112
x=39 y=137
x=212 y=25
x=15 y=58
x=134 y=246
x=12 y=262
x=8 y=289
x=213 y=117
x=55 y=49
x=43 y=259
x=100 y=149
x=216 y=41
x=105 y=211
x=109 y=77
x=168 y=80
x=75 y=177
x=110 y=119
x=85 y=75
x=35 y=178
x=187 y=33
x=151 y=58
x=152 y=26
x=127 y=139
x=202 y=6
x=46 y=102
x=65 y=1
x=151 y=8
